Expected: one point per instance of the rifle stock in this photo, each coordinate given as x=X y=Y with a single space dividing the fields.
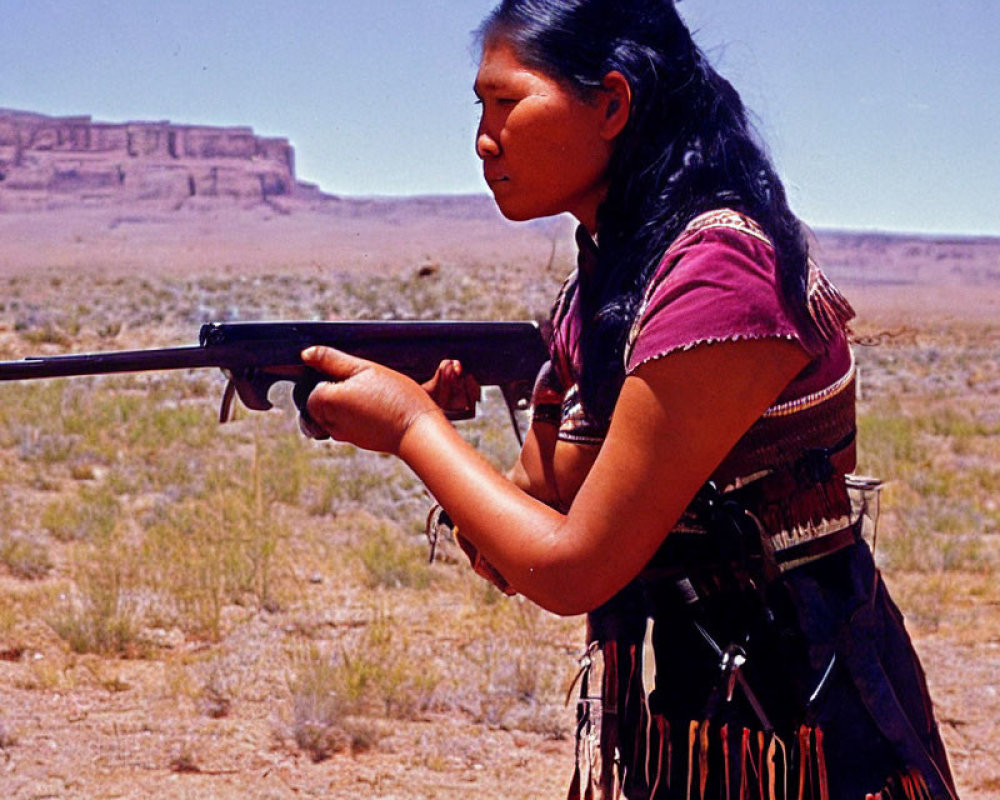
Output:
x=256 y=355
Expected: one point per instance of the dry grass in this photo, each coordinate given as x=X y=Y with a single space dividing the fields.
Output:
x=154 y=535
x=195 y=610
x=930 y=423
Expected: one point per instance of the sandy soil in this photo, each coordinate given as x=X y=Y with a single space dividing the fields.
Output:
x=377 y=235
x=75 y=726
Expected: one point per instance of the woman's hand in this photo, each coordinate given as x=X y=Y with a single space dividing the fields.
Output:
x=363 y=403
x=455 y=391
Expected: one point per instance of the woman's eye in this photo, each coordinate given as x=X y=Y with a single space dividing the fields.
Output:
x=496 y=102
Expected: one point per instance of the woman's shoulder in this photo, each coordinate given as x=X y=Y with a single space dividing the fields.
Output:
x=718 y=282
x=723 y=246
x=724 y=223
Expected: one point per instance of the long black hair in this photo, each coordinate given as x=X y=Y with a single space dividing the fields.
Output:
x=688 y=147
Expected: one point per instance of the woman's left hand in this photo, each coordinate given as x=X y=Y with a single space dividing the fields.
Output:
x=362 y=403
x=455 y=391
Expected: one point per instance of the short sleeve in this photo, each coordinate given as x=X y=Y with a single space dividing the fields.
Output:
x=717 y=285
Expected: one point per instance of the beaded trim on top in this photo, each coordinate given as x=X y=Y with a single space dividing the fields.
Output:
x=828 y=308
x=723 y=218
x=814 y=399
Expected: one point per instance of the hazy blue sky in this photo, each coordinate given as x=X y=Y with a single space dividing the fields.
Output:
x=880 y=115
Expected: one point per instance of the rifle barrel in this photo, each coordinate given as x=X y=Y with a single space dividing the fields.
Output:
x=62 y=366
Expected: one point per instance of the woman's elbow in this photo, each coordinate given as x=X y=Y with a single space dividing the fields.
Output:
x=561 y=606
x=569 y=596
x=569 y=609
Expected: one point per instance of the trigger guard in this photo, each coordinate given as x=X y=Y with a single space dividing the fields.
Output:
x=253 y=386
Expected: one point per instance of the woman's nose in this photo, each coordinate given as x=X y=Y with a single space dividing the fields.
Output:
x=486 y=145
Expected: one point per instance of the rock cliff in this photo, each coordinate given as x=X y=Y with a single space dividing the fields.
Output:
x=48 y=162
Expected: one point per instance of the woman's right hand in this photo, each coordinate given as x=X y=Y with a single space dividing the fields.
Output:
x=455 y=391
x=360 y=402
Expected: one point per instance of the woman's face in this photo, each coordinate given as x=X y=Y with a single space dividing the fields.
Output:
x=544 y=150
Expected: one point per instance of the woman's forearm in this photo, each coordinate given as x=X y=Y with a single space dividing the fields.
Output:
x=522 y=537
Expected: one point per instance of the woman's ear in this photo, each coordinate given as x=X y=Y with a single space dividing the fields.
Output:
x=616 y=97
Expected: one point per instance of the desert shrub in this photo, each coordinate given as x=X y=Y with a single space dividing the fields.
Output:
x=24 y=557
x=347 y=479
x=323 y=722
x=337 y=700
x=49 y=333
x=47 y=448
x=958 y=423
x=101 y=614
x=172 y=424
x=286 y=464
x=24 y=404
x=91 y=515
x=215 y=548
x=889 y=445
x=192 y=566
x=133 y=415
x=205 y=553
x=379 y=674
x=389 y=561
x=216 y=696
x=940 y=500
x=9 y=614
x=515 y=674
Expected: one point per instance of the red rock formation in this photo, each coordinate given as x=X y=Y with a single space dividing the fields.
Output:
x=52 y=161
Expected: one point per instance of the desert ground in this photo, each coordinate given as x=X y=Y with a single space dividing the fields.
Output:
x=189 y=610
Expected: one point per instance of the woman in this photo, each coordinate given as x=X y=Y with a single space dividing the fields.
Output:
x=683 y=480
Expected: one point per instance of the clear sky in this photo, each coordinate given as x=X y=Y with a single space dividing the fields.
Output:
x=880 y=115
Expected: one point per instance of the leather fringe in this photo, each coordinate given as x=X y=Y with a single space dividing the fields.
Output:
x=809 y=506
x=829 y=308
x=909 y=785
x=741 y=764
x=716 y=759
x=813 y=780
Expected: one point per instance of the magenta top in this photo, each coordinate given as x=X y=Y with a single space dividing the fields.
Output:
x=717 y=282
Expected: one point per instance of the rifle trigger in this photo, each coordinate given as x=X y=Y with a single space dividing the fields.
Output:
x=227 y=401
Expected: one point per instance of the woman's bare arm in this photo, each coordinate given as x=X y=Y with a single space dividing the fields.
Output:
x=676 y=419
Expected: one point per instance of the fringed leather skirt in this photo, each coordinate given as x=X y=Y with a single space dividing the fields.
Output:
x=716 y=688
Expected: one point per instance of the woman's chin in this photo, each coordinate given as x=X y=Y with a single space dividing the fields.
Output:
x=518 y=213
x=515 y=216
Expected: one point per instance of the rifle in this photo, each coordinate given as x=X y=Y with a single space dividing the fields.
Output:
x=256 y=355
